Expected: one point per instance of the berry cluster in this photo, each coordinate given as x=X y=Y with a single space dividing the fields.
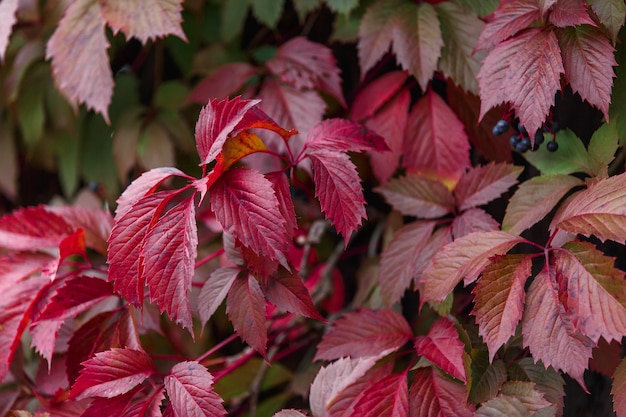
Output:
x=520 y=141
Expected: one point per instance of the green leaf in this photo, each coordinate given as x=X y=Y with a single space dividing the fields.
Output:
x=238 y=382
x=234 y=14
x=68 y=155
x=460 y=31
x=611 y=14
x=481 y=8
x=183 y=52
x=171 y=95
x=8 y=162
x=346 y=28
x=125 y=96
x=30 y=105
x=97 y=160
x=486 y=378
x=602 y=148
x=267 y=11
x=342 y=6
x=304 y=7
x=570 y=157
x=548 y=380
x=617 y=111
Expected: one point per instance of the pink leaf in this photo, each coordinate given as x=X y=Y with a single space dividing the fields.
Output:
x=306 y=65
x=433 y=394
x=373 y=97
x=443 y=347
x=419 y=196
x=611 y=13
x=190 y=389
x=149 y=406
x=465 y=258
x=435 y=140
x=403 y=259
x=245 y=306
x=525 y=71
x=619 y=389
x=146 y=184
x=376 y=33
x=387 y=397
x=365 y=333
x=333 y=379
x=80 y=63
x=534 y=199
x=246 y=206
x=227 y=80
x=77 y=295
x=594 y=289
x=112 y=373
x=214 y=291
x=96 y=223
x=600 y=210
x=509 y=18
x=499 y=299
x=338 y=188
x=472 y=221
x=8 y=8
x=32 y=228
x=289 y=413
x=216 y=122
x=14 y=267
x=111 y=407
x=548 y=332
x=483 y=184
x=588 y=61
x=340 y=135
x=287 y=292
x=570 y=13
x=169 y=255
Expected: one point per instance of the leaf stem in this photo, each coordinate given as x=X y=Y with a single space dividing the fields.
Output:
x=217 y=347
x=209 y=258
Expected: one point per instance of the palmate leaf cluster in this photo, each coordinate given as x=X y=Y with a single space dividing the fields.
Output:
x=300 y=208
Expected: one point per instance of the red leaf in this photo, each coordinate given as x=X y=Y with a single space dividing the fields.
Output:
x=435 y=142
x=80 y=63
x=588 y=61
x=214 y=291
x=485 y=183
x=364 y=333
x=534 y=199
x=15 y=309
x=525 y=71
x=443 y=347
x=96 y=223
x=190 y=389
x=287 y=292
x=246 y=206
x=499 y=299
x=618 y=391
x=464 y=258
x=77 y=295
x=545 y=5
x=112 y=373
x=403 y=260
x=570 y=13
x=169 y=255
x=509 y=18
x=126 y=245
x=600 y=210
x=227 y=80
x=387 y=397
x=472 y=221
x=162 y=18
x=245 y=306
x=32 y=228
x=548 y=332
x=110 y=407
x=280 y=184
x=433 y=394
x=8 y=10
x=14 y=267
x=373 y=97
x=338 y=188
x=146 y=184
x=333 y=379
x=594 y=290
x=216 y=122
x=150 y=406
x=341 y=135
x=419 y=196
x=307 y=65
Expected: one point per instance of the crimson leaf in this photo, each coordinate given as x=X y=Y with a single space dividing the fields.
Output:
x=287 y=291
x=364 y=333
x=343 y=135
x=77 y=295
x=389 y=396
x=32 y=228
x=246 y=306
x=214 y=291
x=570 y=13
x=508 y=19
x=112 y=373
x=433 y=394
x=483 y=184
x=443 y=347
x=376 y=94
x=472 y=221
x=189 y=386
x=225 y=81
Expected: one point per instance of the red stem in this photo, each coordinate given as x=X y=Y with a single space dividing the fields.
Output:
x=209 y=258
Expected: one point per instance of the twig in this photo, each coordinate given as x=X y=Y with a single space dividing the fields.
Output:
x=316 y=231
x=255 y=387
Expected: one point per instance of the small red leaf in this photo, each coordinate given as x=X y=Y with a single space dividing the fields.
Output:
x=338 y=188
x=280 y=184
x=472 y=221
x=96 y=223
x=435 y=140
x=77 y=295
x=443 y=347
x=32 y=228
x=419 y=196
x=343 y=135
x=214 y=291
x=365 y=333
x=482 y=184
x=227 y=80
x=373 y=97
x=245 y=306
x=433 y=394
x=387 y=397
x=509 y=18
x=287 y=292
x=570 y=13
x=246 y=206
x=112 y=373
x=190 y=389
x=8 y=9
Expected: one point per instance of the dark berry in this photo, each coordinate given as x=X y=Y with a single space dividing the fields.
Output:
x=552 y=146
x=555 y=127
x=514 y=140
x=500 y=127
x=521 y=128
x=539 y=138
x=523 y=145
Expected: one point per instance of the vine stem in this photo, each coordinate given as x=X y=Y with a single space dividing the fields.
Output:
x=209 y=258
x=217 y=347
